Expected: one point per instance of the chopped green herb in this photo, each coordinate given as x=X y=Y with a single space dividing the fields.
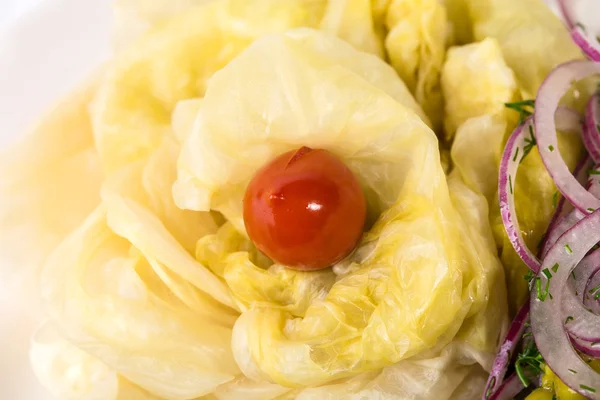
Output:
x=568 y=249
x=572 y=371
x=555 y=267
x=547 y=272
x=573 y=274
x=589 y=389
x=593 y=172
x=529 y=276
x=542 y=294
x=510 y=184
x=488 y=392
x=597 y=295
x=516 y=155
x=555 y=199
x=530 y=143
x=528 y=360
x=551 y=148
x=591 y=209
x=569 y=319
x=595 y=289
x=527 y=334
x=524 y=108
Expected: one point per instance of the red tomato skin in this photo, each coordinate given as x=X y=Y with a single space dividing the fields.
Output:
x=305 y=209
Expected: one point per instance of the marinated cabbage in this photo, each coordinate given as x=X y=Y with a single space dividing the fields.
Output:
x=150 y=284
x=489 y=85
x=39 y=204
x=416 y=45
x=532 y=38
x=387 y=286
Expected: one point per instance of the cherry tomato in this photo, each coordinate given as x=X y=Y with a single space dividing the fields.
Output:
x=305 y=209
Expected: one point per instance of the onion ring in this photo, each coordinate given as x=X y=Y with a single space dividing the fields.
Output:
x=546 y=104
x=546 y=316
x=508 y=390
x=504 y=356
x=588 y=44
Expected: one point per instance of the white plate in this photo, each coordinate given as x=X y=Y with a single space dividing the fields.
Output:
x=42 y=56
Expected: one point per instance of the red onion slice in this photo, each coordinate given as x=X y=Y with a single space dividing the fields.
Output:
x=504 y=356
x=546 y=317
x=586 y=42
x=591 y=131
x=567 y=120
x=583 y=324
x=509 y=389
x=509 y=165
x=591 y=297
x=592 y=349
x=566 y=12
x=563 y=225
x=565 y=217
x=546 y=104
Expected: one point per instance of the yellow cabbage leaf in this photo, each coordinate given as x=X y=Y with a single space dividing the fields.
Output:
x=416 y=46
x=70 y=373
x=173 y=62
x=421 y=279
x=131 y=309
x=39 y=204
x=475 y=81
x=353 y=21
x=532 y=38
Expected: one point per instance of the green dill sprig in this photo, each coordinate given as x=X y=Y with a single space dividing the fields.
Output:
x=542 y=294
x=529 y=276
x=568 y=249
x=596 y=292
x=530 y=143
x=528 y=360
x=524 y=108
x=555 y=199
x=589 y=389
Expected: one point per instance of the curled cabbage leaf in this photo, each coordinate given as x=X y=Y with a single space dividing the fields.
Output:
x=38 y=205
x=139 y=91
x=70 y=373
x=416 y=46
x=422 y=273
x=124 y=288
x=353 y=21
x=207 y=164
x=133 y=107
x=532 y=38
x=475 y=81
